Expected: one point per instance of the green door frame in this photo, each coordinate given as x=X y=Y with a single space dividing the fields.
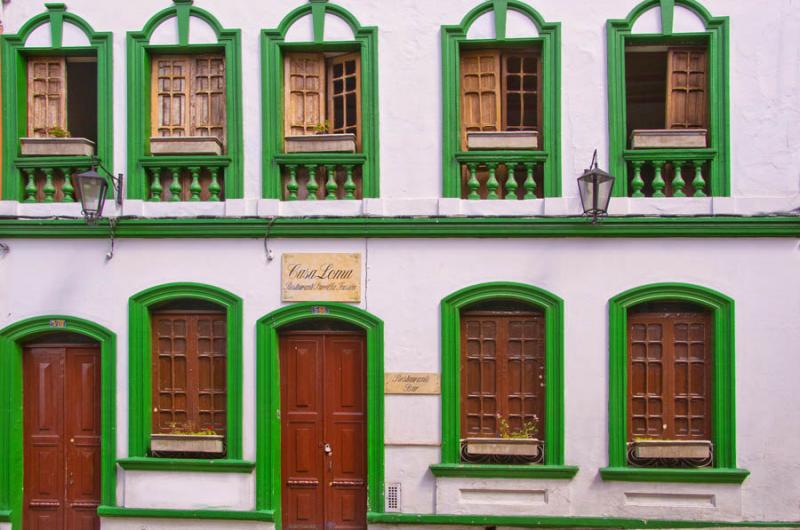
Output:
x=11 y=413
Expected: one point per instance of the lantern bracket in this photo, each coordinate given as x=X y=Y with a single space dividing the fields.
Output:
x=116 y=181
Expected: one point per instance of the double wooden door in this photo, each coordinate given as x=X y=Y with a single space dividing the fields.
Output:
x=323 y=430
x=61 y=401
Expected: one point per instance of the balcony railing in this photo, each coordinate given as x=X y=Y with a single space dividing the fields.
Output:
x=329 y=176
x=509 y=175
x=176 y=179
x=50 y=181
x=669 y=172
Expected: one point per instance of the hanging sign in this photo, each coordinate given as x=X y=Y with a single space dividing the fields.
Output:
x=411 y=383
x=318 y=277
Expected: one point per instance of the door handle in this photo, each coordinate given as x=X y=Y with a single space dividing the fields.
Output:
x=327 y=449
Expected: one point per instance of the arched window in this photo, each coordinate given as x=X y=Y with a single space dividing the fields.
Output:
x=671 y=395
x=501 y=104
x=668 y=101
x=502 y=383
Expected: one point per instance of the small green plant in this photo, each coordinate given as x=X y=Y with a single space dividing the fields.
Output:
x=322 y=128
x=527 y=430
x=190 y=429
x=58 y=132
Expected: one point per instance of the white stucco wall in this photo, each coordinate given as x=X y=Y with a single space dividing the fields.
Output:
x=764 y=80
x=404 y=281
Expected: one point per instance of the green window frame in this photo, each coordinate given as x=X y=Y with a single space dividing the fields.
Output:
x=548 y=155
x=626 y=163
x=15 y=185
x=723 y=409
x=11 y=418
x=273 y=47
x=268 y=398
x=140 y=183
x=140 y=378
x=553 y=308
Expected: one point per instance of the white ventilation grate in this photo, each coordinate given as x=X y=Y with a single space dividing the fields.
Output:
x=393 y=491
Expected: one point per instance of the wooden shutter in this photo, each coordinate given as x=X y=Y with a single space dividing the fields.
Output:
x=304 y=86
x=189 y=371
x=344 y=94
x=502 y=371
x=686 y=88
x=521 y=93
x=669 y=375
x=480 y=91
x=47 y=95
x=171 y=80
x=208 y=96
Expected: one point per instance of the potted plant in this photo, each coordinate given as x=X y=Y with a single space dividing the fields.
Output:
x=185 y=145
x=188 y=442
x=521 y=442
x=322 y=141
x=669 y=138
x=649 y=448
x=502 y=140
x=58 y=142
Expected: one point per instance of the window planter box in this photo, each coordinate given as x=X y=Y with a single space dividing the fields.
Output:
x=181 y=444
x=321 y=143
x=185 y=145
x=56 y=147
x=527 y=447
x=645 y=449
x=668 y=138
x=503 y=140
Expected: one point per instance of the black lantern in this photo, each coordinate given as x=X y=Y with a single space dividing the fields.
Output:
x=92 y=188
x=595 y=187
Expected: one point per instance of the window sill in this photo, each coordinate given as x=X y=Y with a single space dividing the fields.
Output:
x=166 y=513
x=699 y=475
x=220 y=465
x=503 y=471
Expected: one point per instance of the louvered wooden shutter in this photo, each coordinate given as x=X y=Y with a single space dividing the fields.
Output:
x=521 y=94
x=344 y=94
x=686 y=88
x=47 y=95
x=502 y=371
x=669 y=375
x=480 y=91
x=189 y=372
x=304 y=86
x=171 y=79
x=208 y=96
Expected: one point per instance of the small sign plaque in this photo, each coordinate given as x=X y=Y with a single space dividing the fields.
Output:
x=58 y=323
x=411 y=383
x=317 y=277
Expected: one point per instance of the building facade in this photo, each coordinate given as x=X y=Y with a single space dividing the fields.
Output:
x=348 y=281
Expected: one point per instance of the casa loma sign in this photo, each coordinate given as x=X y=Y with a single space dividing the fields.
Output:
x=321 y=277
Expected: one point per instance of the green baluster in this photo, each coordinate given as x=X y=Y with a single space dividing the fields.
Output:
x=511 y=182
x=330 y=171
x=472 y=183
x=66 y=188
x=30 y=186
x=312 y=186
x=492 y=184
x=291 y=186
x=194 y=187
x=530 y=183
x=677 y=180
x=49 y=190
x=699 y=182
x=155 y=184
x=175 y=188
x=213 y=187
x=658 y=180
x=637 y=183
x=349 y=185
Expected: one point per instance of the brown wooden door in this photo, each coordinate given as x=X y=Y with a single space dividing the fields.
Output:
x=323 y=435
x=61 y=437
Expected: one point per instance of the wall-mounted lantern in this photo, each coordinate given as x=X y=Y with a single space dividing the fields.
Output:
x=92 y=188
x=595 y=187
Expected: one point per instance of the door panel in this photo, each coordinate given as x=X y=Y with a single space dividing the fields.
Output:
x=323 y=397
x=61 y=437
